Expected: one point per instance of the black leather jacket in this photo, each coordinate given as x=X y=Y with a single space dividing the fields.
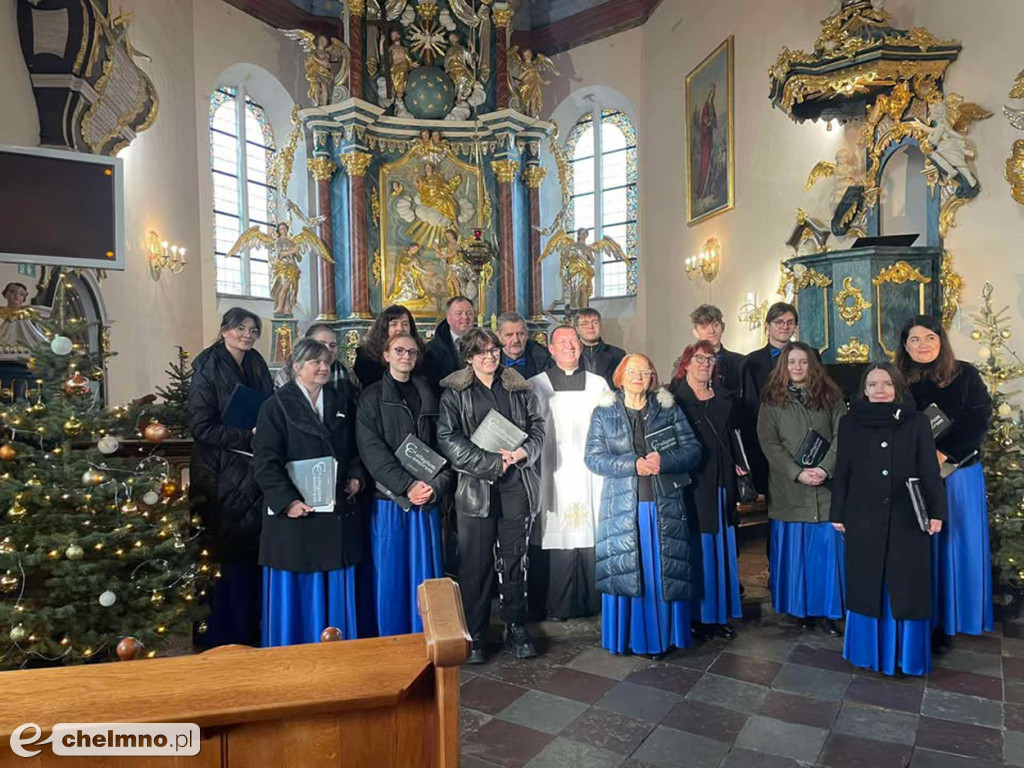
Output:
x=475 y=468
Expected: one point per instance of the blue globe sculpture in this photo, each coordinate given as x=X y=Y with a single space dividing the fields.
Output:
x=430 y=93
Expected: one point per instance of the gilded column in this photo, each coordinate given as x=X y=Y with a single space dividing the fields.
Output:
x=502 y=18
x=506 y=170
x=323 y=168
x=356 y=163
x=534 y=177
x=356 y=9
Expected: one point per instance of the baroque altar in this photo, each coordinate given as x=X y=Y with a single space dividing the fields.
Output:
x=425 y=147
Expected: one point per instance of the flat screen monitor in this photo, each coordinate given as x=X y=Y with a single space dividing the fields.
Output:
x=61 y=208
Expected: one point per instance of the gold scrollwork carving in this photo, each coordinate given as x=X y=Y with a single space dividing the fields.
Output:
x=505 y=170
x=351 y=343
x=502 y=17
x=376 y=266
x=851 y=313
x=1015 y=171
x=947 y=216
x=356 y=162
x=854 y=351
x=899 y=273
x=810 y=278
x=952 y=289
x=540 y=338
x=356 y=7
x=534 y=176
x=322 y=168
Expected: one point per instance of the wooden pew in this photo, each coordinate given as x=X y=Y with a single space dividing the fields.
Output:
x=390 y=701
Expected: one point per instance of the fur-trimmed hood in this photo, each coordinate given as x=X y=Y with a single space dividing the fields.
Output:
x=663 y=396
x=463 y=379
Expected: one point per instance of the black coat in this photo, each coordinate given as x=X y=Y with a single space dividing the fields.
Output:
x=384 y=421
x=602 y=359
x=368 y=370
x=290 y=430
x=538 y=360
x=756 y=369
x=729 y=371
x=443 y=357
x=712 y=421
x=223 y=490
x=968 y=405
x=475 y=468
x=877 y=452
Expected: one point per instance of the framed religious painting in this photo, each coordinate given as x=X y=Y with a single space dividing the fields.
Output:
x=710 y=117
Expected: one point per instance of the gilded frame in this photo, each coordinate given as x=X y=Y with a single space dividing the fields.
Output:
x=703 y=77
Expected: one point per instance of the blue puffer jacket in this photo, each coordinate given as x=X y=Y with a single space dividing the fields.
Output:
x=610 y=453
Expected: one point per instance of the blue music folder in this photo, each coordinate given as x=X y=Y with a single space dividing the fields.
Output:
x=243 y=407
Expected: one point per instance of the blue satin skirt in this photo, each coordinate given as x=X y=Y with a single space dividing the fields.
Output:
x=808 y=570
x=961 y=560
x=721 y=600
x=297 y=607
x=406 y=551
x=646 y=624
x=887 y=644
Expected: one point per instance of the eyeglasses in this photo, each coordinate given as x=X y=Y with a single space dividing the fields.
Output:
x=704 y=360
x=247 y=330
x=643 y=373
x=784 y=323
x=494 y=352
x=403 y=352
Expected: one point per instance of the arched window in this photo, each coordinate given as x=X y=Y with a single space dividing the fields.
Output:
x=604 y=193
x=241 y=147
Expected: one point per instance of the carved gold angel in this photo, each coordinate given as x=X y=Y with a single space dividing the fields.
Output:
x=321 y=54
x=527 y=71
x=576 y=264
x=846 y=171
x=285 y=254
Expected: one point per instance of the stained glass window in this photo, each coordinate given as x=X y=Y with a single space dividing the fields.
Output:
x=244 y=194
x=604 y=193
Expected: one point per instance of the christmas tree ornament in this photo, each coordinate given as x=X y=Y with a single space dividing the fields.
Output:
x=129 y=507
x=77 y=384
x=157 y=598
x=155 y=432
x=74 y=552
x=201 y=628
x=33 y=482
x=150 y=498
x=168 y=488
x=9 y=582
x=1004 y=411
x=93 y=477
x=96 y=374
x=128 y=649
x=73 y=427
x=61 y=345
x=8 y=452
x=108 y=445
x=984 y=353
x=16 y=511
x=107 y=598
x=6 y=547
x=196 y=520
x=18 y=634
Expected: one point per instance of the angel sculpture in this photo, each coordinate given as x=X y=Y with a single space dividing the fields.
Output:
x=577 y=265
x=947 y=144
x=527 y=72
x=462 y=279
x=285 y=254
x=845 y=169
x=321 y=53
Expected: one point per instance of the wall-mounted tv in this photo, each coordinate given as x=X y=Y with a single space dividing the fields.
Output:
x=61 y=208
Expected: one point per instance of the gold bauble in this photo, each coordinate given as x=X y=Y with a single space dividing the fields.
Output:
x=74 y=552
x=93 y=477
x=155 y=432
x=18 y=634
x=157 y=598
x=168 y=488
x=73 y=427
x=976 y=335
x=1006 y=333
x=1014 y=466
x=196 y=520
x=96 y=374
x=77 y=384
x=9 y=582
x=8 y=452
x=16 y=511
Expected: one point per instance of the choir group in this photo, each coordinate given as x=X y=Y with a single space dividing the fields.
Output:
x=570 y=481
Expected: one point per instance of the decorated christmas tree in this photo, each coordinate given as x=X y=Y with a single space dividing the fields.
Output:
x=173 y=410
x=1004 y=447
x=95 y=551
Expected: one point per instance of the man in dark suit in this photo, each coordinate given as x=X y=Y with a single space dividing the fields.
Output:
x=709 y=325
x=781 y=324
x=519 y=352
x=443 y=355
x=598 y=357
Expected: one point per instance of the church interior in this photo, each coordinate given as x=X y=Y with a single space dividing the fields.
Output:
x=191 y=178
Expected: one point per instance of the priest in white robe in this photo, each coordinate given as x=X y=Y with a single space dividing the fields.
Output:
x=570 y=493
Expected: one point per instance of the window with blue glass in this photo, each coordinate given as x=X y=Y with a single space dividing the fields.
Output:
x=244 y=195
x=604 y=193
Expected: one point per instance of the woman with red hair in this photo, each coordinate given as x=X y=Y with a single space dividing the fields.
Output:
x=712 y=493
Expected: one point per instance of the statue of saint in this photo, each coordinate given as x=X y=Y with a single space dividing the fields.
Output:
x=408 y=287
x=458 y=64
x=576 y=265
x=462 y=279
x=401 y=64
x=527 y=70
x=437 y=192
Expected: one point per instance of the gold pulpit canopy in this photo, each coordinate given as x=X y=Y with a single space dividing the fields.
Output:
x=858 y=56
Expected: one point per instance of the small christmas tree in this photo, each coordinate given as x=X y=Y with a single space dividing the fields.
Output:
x=173 y=411
x=1004 y=446
x=93 y=549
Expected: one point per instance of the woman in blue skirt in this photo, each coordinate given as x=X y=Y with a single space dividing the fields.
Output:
x=308 y=556
x=648 y=549
x=405 y=536
x=806 y=557
x=883 y=443
x=961 y=560
x=711 y=412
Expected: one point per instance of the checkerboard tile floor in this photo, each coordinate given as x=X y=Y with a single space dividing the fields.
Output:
x=775 y=696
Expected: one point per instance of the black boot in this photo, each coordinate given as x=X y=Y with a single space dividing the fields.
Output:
x=832 y=628
x=519 y=641
x=941 y=642
x=726 y=631
x=476 y=651
x=808 y=623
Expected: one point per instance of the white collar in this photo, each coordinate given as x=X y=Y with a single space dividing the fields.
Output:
x=319 y=405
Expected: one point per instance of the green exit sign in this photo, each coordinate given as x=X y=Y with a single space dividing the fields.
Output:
x=28 y=270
